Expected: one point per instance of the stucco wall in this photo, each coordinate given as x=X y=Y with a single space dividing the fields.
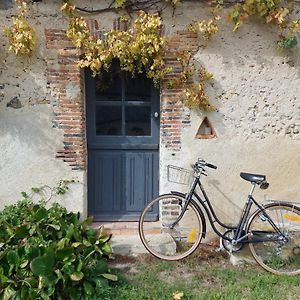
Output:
x=28 y=139
x=255 y=89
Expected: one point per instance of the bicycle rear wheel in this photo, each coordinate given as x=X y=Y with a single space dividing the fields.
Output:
x=164 y=239
x=279 y=254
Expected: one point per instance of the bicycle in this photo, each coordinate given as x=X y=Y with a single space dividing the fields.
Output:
x=172 y=226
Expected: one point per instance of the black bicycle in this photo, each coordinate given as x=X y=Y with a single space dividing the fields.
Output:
x=172 y=226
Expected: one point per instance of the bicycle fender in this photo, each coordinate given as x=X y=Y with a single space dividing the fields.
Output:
x=178 y=194
x=203 y=221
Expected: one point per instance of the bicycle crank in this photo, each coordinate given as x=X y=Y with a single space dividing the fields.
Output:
x=228 y=245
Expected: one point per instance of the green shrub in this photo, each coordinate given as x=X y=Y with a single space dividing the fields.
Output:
x=48 y=253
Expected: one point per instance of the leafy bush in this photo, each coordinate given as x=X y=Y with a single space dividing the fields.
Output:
x=50 y=254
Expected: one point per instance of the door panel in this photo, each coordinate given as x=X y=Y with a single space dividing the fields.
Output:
x=105 y=175
x=141 y=174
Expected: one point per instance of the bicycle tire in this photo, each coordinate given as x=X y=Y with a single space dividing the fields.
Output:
x=281 y=257
x=162 y=241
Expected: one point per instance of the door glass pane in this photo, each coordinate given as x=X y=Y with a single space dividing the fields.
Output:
x=109 y=85
x=138 y=120
x=109 y=120
x=138 y=88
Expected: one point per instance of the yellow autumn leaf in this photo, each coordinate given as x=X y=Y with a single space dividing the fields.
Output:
x=177 y=295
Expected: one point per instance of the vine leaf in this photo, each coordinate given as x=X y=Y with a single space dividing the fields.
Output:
x=42 y=265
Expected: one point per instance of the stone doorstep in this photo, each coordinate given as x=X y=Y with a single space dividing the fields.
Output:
x=126 y=241
x=125 y=238
x=123 y=228
x=118 y=228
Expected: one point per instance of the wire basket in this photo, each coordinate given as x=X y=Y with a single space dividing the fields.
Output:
x=179 y=175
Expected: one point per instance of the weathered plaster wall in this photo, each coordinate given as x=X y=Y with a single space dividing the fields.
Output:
x=28 y=139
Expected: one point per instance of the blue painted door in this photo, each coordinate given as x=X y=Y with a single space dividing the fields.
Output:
x=123 y=142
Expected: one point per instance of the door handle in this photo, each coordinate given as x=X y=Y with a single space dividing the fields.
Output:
x=155 y=115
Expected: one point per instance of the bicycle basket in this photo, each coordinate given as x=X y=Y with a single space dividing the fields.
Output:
x=179 y=175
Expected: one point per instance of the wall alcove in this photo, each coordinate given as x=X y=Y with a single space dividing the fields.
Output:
x=205 y=130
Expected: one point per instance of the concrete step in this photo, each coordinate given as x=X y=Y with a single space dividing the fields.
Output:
x=127 y=245
x=125 y=237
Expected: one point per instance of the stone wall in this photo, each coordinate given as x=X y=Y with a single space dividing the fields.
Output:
x=255 y=89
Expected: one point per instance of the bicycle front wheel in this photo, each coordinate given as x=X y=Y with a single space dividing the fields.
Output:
x=165 y=235
x=278 y=253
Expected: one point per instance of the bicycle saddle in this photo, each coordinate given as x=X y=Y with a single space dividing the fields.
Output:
x=253 y=177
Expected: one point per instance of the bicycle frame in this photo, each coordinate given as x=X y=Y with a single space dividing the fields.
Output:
x=239 y=236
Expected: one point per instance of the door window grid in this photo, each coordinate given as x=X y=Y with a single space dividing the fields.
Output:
x=124 y=109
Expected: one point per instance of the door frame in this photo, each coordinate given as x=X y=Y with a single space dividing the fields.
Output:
x=105 y=143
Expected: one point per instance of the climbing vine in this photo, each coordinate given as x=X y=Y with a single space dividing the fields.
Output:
x=138 y=50
x=142 y=48
x=21 y=35
x=278 y=12
x=193 y=82
x=206 y=28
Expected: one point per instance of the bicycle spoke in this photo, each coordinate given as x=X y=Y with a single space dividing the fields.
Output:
x=282 y=254
x=170 y=242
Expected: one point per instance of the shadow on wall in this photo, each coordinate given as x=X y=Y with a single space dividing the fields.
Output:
x=224 y=198
x=29 y=127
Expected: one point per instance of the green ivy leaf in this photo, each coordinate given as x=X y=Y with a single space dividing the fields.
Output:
x=13 y=258
x=24 y=195
x=106 y=249
x=77 y=276
x=22 y=231
x=88 y=221
x=4 y=279
x=86 y=243
x=41 y=213
x=55 y=226
x=76 y=244
x=36 y=190
x=73 y=294
x=91 y=233
x=101 y=283
x=101 y=267
x=42 y=265
x=88 y=289
x=32 y=252
x=103 y=239
x=119 y=3
x=9 y=293
x=64 y=253
x=62 y=242
x=24 y=264
x=17 y=296
x=111 y=277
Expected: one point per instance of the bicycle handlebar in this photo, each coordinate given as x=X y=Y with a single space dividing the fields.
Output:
x=202 y=163
x=211 y=166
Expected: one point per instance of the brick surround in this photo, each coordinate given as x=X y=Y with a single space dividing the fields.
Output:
x=69 y=107
x=173 y=115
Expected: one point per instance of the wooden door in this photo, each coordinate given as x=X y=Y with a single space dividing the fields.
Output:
x=123 y=144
